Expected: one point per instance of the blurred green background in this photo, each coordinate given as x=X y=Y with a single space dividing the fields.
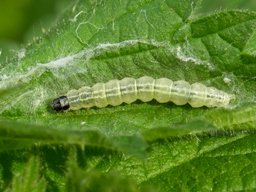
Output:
x=21 y=21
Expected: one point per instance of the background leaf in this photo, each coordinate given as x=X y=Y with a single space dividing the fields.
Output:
x=189 y=149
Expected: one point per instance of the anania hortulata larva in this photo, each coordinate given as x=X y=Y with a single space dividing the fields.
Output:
x=145 y=88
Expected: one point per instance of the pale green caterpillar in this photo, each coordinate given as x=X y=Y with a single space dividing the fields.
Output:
x=145 y=88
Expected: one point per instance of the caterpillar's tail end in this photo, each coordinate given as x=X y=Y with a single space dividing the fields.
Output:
x=60 y=104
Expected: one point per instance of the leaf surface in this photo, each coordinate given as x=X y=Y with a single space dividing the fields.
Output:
x=188 y=148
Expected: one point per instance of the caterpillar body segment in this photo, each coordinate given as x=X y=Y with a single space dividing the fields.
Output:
x=145 y=88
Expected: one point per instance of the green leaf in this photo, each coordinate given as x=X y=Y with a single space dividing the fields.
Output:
x=15 y=136
x=225 y=163
x=30 y=179
x=193 y=127
x=190 y=149
x=80 y=180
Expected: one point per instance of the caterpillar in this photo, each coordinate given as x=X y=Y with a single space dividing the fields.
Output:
x=145 y=88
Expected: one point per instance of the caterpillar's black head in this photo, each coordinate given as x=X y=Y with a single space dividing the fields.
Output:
x=60 y=104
